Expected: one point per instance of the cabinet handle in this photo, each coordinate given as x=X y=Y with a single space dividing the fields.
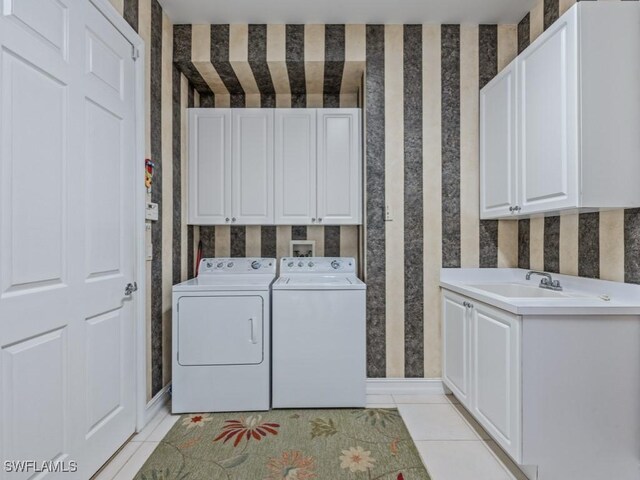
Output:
x=319 y=220
x=511 y=209
x=226 y=219
x=313 y=220
x=517 y=208
x=253 y=338
x=233 y=219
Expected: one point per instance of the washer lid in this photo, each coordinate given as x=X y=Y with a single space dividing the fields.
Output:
x=215 y=283
x=319 y=282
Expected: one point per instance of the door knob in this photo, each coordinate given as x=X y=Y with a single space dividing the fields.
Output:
x=130 y=288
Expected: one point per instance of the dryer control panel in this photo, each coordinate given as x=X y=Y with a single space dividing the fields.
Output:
x=227 y=266
x=326 y=265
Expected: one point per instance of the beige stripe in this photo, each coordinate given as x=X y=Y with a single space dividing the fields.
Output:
x=283 y=241
x=536 y=21
x=314 y=64
x=118 y=5
x=276 y=58
x=253 y=241
x=201 y=58
x=469 y=158
x=348 y=100
x=566 y=5
x=196 y=99
x=507 y=45
x=239 y=59
x=316 y=233
x=536 y=255
x=184 y=237
x=283 y=100
x=432 y=196
x=252 y=100
x=355 y=56
x=222 y=101
x=349 y=241
x=569 y=244
x=507 y=230
x=394 y=188
x=612 y=245
x=223 y=241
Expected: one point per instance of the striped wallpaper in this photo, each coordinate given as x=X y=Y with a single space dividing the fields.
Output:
x=602 y=245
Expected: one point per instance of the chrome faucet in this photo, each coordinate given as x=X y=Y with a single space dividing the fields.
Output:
x=547 y=280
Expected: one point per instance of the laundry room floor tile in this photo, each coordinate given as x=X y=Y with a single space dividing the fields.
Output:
x=436 y=422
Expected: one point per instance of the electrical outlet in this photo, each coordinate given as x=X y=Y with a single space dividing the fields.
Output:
x=387 y=214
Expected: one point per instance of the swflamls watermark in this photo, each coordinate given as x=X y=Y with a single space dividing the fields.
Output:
x=35 y=466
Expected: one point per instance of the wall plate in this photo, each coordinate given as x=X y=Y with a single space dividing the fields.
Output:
x=302 y=248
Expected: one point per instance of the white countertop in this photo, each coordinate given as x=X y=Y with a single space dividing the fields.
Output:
x=583 y=296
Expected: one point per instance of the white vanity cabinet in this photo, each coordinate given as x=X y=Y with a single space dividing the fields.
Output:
x=559 y=126
x=481 y=365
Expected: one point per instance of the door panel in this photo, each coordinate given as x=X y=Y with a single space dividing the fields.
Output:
x=295 y=166
x=549 y=120
x=252 y=177
x=455 y=329
x=45 y=19
x=220 y=330
x=209 y=166
x=339 y=167
x=498 y=145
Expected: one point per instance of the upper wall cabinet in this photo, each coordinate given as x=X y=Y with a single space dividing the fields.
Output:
x=559 y=126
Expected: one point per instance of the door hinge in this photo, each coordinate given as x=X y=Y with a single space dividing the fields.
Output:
x=135 y=52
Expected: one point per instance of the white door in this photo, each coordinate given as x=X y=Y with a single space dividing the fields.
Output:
x=295 y=166
x=339 y=167
x=209 y=166
x=498 y=145
x=496 y=397
x=66 y=236
x=252 y=170
x=548 y=119
x=455 y=345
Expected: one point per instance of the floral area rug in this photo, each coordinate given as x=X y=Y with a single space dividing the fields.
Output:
x=366 y=444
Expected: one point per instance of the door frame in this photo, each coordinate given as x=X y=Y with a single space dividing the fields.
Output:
x=143 y=411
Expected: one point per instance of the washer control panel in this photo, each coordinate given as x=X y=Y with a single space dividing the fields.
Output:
x=326 y=265
x=213 y=266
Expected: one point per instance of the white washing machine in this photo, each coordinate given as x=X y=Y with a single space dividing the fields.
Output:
x=318 y=334
x=221 y=325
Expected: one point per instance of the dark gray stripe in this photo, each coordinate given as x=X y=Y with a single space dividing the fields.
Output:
x=156 y=196
x=488 y=69
x=589 y=245
x=375 y=178
x=552 y=244
x=295 y=64
x=298 y=232
x=551 y=12
x=413 y=205
x=450 y=145
x=332 y=241
x=524 y=35
x=268 y=242
x=334 y=55
x=207 y=100
x=238 y=100
x=130 y=13
x=632 y=245
x=259 y=66
x=208 y=240
x=220 y=59
x=524 y=243
x=177 y=175
x=190 y=232
x=238 y=241
x=182 y=58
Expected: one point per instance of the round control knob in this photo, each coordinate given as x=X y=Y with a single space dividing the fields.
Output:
x=310 y=264
x=335 y=264
x=300 y=264
x=255 y=265
x=230 y=264
x=290 y=264
x=220 y=265
x=209 y=264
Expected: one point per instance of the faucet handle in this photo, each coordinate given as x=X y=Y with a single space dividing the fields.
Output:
x=544 y=281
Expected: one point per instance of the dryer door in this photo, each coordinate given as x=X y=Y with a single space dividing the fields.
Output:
x=220 y=330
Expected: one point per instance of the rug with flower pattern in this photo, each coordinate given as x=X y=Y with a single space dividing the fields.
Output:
x=366 y=444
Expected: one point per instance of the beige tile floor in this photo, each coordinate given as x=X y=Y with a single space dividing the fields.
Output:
x=452 y=445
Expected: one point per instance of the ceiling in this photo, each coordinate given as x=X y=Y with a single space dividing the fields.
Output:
x=346 y=11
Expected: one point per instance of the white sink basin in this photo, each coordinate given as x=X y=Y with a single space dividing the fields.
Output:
x=517 y=290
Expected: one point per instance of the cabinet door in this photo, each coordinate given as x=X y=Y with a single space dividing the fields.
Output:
x=209 y=166
x=455 y=345
x=295 y=166
x=252 y=176
x=498 y=178
x=548 y=119
x=496 y=392
x=339 y=167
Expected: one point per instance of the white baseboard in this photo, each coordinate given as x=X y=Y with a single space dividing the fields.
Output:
x=156 y=404
x=405 y=386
